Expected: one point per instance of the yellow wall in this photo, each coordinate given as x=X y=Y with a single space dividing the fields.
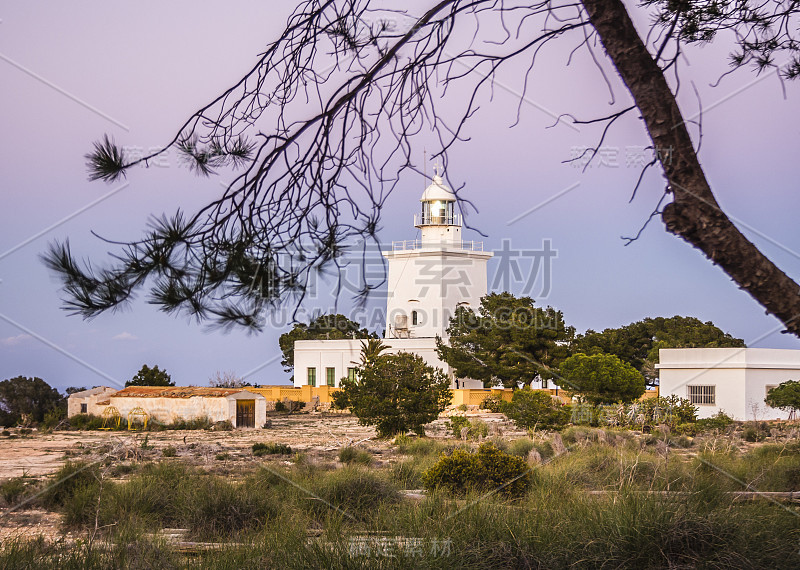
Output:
x=303 y=393
x=469 y=397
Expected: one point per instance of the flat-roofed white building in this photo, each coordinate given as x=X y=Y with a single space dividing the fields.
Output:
x=428 y=278
x=733 y=380
x=92 y=401
x=168 y=404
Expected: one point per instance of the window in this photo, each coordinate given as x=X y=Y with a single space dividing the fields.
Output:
x=351 y=374
x=702 y=395
x=330 y=376
x=84 y=408
x=769 y=387
x=414 y=318
x=312 y=376
x=544 y=383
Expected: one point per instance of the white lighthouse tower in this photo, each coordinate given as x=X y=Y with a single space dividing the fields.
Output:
x=431 y=276
x=428 y=279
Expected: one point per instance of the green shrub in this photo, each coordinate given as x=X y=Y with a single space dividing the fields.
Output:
x=13 y=490
x=71 y=479
x=418 y=446
x=487 y=470
x=214 y=506
x=260 y=449
x=224 y=456
x=462 y=407
x=87 y=422
x=408 y=474
x=352 y=490
x=522 y=447
x=123 y=469
x=169 y=451
x=352 y=454
x=475 y=428
x=396 y=393
x=531 y=409
x=545 y=449
x=719 y=421
x=687 y=429
x=683 y=442
x=493 y=404
x=169 y=494
x=280 y=407
x=53 y=418
x=478 y=429
x=753 y=434
x=455 y=424
x=671 y=411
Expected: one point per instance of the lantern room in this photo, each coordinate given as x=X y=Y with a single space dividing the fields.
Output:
x=438 y=220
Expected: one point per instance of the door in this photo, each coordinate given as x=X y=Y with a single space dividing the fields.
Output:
x=245 y=413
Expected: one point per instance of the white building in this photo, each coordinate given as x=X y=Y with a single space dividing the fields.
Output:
x=92 y=401
x=168 y=404
x=428 y=278
x=733 y=380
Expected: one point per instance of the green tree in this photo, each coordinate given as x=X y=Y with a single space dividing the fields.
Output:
x=638 y=343
x=31 y=398
x=602 y=378
x=785 y=396
x=530 y=409
x=394 y=392
x=150 y=377
x=508 y=341
x=323 y=327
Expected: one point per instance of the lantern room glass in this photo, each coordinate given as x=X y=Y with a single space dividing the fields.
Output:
x=438 y=212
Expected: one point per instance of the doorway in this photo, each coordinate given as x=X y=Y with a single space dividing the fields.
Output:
x=245 y=413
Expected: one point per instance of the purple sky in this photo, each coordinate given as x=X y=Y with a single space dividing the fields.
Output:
x=71 y=72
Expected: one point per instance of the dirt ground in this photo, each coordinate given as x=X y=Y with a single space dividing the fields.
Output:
x=38 y=455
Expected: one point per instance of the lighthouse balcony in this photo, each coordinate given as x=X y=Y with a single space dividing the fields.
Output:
x=434 y=220
x=411 y=244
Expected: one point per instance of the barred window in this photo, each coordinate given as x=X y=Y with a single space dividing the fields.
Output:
x=702 y=395
x=312 y=376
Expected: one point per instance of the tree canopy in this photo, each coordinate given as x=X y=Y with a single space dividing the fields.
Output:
x=785 y=396
x=602 y=378
x=508 y=341
x=30 y=398
x=323 y=327
x=327 y=121
x=150 y=377
x=532 y=409
x=394 y=392
x=638 y=343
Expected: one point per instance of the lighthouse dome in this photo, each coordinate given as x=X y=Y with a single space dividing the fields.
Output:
x=437 y=192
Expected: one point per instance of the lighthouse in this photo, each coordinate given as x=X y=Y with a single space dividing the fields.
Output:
x=429 y=277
